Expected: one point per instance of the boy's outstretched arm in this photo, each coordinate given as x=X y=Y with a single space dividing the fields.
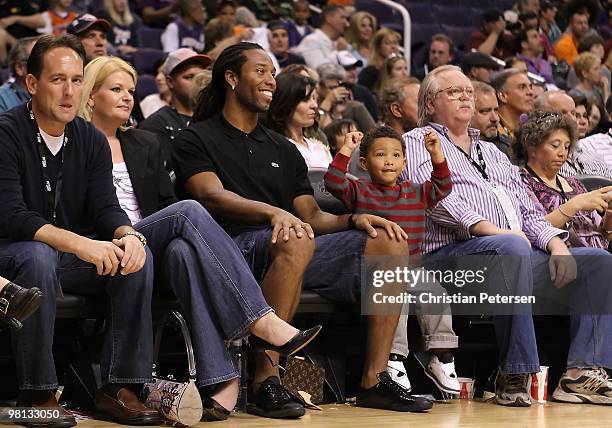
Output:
x=440 y=184
x=336 y=181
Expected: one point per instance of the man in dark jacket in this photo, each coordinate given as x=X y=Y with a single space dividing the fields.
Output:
x=60 y=222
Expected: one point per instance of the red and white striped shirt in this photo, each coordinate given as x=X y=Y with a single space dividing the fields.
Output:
x=404 y=203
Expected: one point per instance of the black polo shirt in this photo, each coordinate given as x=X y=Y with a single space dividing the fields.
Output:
x=262 y=166
x=166 y=123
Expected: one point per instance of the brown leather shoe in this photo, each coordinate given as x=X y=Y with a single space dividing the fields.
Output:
x=46 y=400
x=125 y=409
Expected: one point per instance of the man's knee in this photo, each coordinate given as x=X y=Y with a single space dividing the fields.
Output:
x=384 y=245
x=512 y=245
x=296 y=251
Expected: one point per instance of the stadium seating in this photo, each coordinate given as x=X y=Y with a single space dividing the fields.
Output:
x=150 y=37
x=145 y=59
x=145 y=86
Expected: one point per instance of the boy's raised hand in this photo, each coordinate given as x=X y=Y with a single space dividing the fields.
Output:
x=351 y=142
x=434 y=147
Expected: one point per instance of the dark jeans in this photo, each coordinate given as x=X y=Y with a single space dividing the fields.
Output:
x=590 y=335
x=128 y=346
x=208 y=275
x=334 y=271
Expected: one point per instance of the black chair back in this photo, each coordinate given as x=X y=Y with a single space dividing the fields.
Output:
x=326 y=200
x=594 y=182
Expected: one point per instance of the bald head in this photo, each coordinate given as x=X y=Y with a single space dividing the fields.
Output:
x=557 y=101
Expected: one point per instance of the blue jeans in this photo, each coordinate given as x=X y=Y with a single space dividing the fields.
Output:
x=128 y=346
x=213 y=284
x=334 y=271
x=524 y=271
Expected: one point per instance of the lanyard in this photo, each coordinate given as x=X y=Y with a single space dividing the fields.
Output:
x=480 y=166
x=52 y=196
x=560 y=191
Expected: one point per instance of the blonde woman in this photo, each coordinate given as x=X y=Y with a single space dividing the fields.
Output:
x=201 y=264
x=124 y=33
x=359 y=34
x=384 y=44
x=394 y=67
x=592 y=85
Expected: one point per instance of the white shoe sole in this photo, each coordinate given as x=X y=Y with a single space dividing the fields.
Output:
x=575 y=397
x=518 y=402
x=438 y=384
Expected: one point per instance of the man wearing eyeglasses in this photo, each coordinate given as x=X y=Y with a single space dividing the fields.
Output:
x=489 y=214
x=515 y=96
x=336 y=99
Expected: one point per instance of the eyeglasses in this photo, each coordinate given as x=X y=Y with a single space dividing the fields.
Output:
x=455 y=92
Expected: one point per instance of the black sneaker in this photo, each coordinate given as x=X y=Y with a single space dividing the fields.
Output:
x=512 y=389
x=390 y=395
x=273 y=401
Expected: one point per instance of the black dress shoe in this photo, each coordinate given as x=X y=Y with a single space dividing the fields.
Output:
x=273 y=401
x=213 y=411
x=293 y=345
x=390 y=395
x=18 y=303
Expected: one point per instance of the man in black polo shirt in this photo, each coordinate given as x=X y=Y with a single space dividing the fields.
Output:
x=60 y=222
x=256 y=185
x=179 y=68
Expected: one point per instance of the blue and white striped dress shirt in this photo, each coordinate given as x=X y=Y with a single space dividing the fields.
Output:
x=472 y=199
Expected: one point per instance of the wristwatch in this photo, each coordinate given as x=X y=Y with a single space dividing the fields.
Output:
x=351 y=222
x=138 y=235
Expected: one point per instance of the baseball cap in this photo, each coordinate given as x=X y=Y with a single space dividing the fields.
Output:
x=275 y=25
x=183 y=56
x=477 y=59
x=346 y=59
x=84 y=22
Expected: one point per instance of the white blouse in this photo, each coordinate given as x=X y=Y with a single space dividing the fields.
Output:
x=125 y=192
x=315 y=153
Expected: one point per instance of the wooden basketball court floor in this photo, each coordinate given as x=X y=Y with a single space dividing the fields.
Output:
x=455 y=413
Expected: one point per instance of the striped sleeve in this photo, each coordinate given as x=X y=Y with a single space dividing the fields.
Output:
x=338 y=184
x=453 y=212
x=439 y=187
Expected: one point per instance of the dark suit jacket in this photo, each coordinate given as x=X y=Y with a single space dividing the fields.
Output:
x=152 y=186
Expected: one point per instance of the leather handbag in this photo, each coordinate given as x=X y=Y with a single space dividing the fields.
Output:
x=179 y=403
x=304 y=376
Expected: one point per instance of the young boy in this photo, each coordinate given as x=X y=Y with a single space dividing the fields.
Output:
x=299 y=28
x=187 y=31
x=336 y=131
x=383 y=155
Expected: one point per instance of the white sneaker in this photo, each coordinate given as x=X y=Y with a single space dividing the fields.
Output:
x=443 y=375
x=592 y=386
x=397 y=371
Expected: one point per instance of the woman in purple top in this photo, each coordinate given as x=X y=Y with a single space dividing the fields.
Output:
x=543 y=144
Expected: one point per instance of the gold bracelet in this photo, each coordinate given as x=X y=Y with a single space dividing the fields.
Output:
x=561 y=211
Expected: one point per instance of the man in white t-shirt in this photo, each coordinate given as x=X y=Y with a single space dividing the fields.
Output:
x=320 y=47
